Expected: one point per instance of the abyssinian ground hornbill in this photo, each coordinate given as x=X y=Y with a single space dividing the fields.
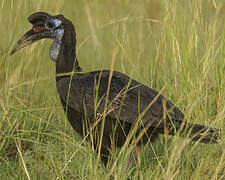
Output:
x=107 y=105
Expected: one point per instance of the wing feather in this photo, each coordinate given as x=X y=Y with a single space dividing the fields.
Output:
x=127 y=99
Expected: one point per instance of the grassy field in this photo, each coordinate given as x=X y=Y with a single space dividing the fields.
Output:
x=177 y=45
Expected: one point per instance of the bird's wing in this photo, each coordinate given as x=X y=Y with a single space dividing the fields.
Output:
x=125 y=99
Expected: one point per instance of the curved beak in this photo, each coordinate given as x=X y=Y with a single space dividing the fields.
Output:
x=28 y=38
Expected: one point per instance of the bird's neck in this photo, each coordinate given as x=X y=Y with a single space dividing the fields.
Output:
x=67 y=62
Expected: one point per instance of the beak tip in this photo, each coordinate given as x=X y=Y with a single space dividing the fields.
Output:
x=16 y=47
x=28 y=38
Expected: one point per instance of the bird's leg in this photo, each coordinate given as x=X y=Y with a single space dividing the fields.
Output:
x=134 y=157
x=104 y=155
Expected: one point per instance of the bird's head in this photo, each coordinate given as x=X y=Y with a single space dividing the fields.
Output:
x=44 y=26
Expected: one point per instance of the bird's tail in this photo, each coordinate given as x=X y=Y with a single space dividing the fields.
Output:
x=196 y=132
x=202 y=133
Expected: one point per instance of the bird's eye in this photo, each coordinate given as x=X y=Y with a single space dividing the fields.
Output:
x=50 y=25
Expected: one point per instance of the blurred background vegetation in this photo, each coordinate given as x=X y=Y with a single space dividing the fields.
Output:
x=176 y=44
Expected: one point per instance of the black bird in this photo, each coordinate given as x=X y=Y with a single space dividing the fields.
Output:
x=105 y=105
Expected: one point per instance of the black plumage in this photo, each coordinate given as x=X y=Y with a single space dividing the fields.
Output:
x=107 y=105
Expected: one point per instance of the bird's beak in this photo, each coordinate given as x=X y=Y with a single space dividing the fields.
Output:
x=28 y=38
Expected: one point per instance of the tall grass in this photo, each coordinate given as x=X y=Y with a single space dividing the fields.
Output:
x=175 y=45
